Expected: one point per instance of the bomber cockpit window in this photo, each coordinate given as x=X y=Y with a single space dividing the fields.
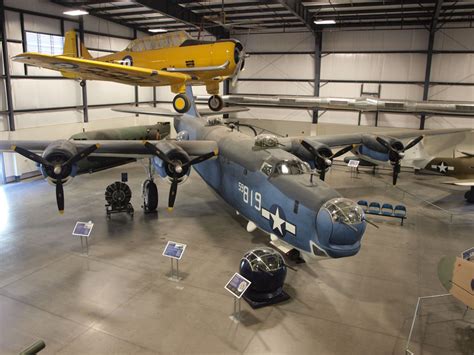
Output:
x=267 y=168
x=291 y=167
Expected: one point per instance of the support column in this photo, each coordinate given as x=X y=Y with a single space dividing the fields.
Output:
x=6 y=68
x=429 y=57
x=318 y=41
x=85 y=107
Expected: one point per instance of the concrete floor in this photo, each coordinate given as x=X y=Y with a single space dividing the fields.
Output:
x=119 y=299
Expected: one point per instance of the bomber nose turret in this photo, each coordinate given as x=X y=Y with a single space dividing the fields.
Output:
x=340 y=225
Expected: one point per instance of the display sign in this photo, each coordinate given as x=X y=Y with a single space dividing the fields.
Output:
x=83 y=229
x=468 y=254
x=174 y=250
x=237 y=285
x=353 y=163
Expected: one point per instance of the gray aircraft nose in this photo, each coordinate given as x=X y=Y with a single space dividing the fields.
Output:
x=340 y=226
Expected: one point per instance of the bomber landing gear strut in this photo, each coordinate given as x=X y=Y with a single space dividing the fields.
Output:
x=469 y=195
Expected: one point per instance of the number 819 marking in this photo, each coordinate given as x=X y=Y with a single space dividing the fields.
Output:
x=250 y=197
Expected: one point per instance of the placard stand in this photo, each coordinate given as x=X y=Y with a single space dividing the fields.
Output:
x=83 y=230
x=174 y=276
x=87 y=245
x=236 y=316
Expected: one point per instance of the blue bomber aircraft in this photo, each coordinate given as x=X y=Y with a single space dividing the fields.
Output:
x=268 y=182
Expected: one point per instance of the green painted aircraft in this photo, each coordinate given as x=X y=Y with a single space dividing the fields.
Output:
x=461 y=168
x=91 y=163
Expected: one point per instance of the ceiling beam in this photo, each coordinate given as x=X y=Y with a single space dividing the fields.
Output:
x=172 y=9
x=355 y=5
x=296 y=8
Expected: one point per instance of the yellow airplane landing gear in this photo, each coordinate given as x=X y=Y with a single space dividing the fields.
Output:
x=215 y=103
x=181 y=103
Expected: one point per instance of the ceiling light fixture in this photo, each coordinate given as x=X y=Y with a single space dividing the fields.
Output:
x=325 y=22
x=75 y=12
x=157 y=30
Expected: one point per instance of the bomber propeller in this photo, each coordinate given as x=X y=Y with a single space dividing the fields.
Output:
x=397 y=153
x=57 y=170
x=321 y=161
x=177 y=167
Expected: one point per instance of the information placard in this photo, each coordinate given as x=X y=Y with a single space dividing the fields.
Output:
x=174 y=250
x=83 y=229
x=468 y=254
x=353 y=163
x=237 y=285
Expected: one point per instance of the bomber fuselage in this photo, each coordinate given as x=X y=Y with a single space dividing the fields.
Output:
x=274 y=189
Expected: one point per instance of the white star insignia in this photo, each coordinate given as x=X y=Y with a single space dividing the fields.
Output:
x=277 y=221
x=442 y=168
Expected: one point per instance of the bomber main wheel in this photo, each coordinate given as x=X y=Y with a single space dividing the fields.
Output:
x=150 y=196
x=469 y=195
x=215 y=103
x=181 y=103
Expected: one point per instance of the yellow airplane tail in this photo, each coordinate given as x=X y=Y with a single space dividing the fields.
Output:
x=70 y=46
x=70 y=50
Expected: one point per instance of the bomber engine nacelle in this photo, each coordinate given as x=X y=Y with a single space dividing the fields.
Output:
x=320 y=155
x=58 y=164
x=386 y=149
x=372 y=148
x=172 y=161
x=58 y=153
x=174 y=154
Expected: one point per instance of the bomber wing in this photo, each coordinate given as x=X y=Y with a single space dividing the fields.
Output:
x=88 y=69
x=356 y=138
x=110 y=148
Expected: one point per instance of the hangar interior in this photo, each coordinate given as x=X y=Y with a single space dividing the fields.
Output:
x=117 y=298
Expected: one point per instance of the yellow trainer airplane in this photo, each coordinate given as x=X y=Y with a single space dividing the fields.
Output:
x=173 y=59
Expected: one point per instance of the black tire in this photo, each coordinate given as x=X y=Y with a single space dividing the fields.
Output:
x=181 y=103
x=82 y=83
x=215 y=103
x=150 y=196
x=469 y=196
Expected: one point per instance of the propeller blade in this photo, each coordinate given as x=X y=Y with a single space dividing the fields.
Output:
x=396 y=171
x=60 y=195
x=322 y=174
x=384 y=143
x=201 y=158
x=414 y=142
x=153 y=149
x=82 y=154
x=342 y=151
x=309 y=147
x=30 y=155
x=173 y=191
x=238 y=68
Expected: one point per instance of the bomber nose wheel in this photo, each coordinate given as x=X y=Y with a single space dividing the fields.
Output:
x=150 y=196
x=215 y=103
x=181 y=103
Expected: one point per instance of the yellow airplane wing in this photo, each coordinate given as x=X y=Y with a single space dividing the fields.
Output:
x=88 y=69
